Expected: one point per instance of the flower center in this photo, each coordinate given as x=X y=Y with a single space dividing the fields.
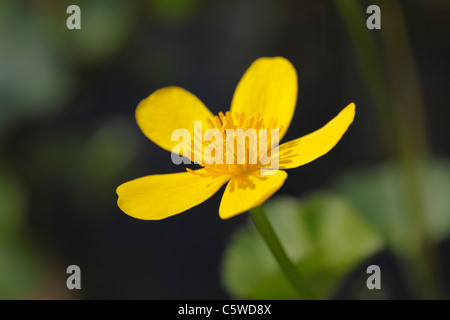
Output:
x=235 y=144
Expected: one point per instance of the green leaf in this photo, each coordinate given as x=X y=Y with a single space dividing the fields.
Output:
x=322 y=234
x=380 y=195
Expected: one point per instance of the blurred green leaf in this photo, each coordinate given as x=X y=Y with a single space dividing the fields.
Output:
x=105 y=25
x=173 y=10
x=11 y=205
x=92 y=160
x=20 y=269
x=33 y=79
x=109 y=149
x=322 y=234
x=379 y=194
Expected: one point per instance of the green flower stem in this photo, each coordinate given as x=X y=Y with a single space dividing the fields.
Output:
x=287 y=266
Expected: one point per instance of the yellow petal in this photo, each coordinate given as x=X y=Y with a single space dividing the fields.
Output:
x=248 y=191
x=157 y=197
x=268 y=87
x=300 y=151
x=168 y=109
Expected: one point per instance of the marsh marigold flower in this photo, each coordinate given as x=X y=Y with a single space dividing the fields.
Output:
x=264 y=99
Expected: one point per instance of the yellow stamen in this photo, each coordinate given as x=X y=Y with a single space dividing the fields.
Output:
x=241 y=162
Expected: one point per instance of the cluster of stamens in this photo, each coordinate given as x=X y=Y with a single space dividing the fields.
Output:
x=239 y=144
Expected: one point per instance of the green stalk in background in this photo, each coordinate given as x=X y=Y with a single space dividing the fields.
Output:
x=395 y=90
x=371 y=65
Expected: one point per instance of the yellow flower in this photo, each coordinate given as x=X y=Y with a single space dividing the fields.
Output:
x=265 y=98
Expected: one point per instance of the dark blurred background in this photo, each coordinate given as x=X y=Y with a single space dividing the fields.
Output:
x=68 y=135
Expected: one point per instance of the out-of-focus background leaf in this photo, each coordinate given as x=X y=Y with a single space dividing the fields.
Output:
x=378 y=194
x=328 y=236
x=106 y=25
x=13 y=203
x=18 y=258
x=323 y=234
x=33 y=78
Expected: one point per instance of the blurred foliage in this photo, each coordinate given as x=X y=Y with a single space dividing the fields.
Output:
x=103 y=153
x=106 y=25
x=21 y=269
x=412 y=221
x=322 y=234
x=12 y=203
x=379 y=195
x=67 y=135
x=328 y=235
x=39 y=61
x=20 y=264
x=37 y=64
x=33 y=78
x=174 y=11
